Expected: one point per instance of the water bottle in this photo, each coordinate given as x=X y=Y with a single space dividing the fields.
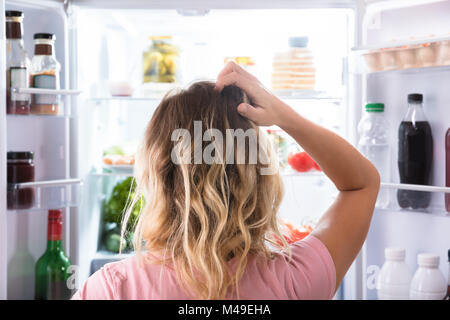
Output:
x=373 y=144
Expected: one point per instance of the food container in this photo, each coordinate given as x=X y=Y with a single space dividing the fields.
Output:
x=373 y=61
x=20 y=169
x=161 y=61
x=389 y=59
x=407 y=56
x=427 y=54
x=443 y=53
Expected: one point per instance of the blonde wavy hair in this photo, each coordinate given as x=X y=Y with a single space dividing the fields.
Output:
x=198 y=217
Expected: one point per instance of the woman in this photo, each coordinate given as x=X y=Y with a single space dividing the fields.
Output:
x=207 y=227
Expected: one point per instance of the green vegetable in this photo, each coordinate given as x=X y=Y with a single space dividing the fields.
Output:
x=113 y=241
x=114 y=150
x=116 y=205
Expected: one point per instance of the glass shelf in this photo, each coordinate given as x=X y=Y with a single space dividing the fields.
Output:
x=415 y=187
x=436 y=204
x=306 y=95
x=38 y=116
x=123 y=98
x=63 y=92
x=282 y=94
x=400 y=44
x=44 y=195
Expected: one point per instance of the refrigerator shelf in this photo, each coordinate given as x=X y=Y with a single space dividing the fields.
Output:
x=43 y=195
x=123 y=98
x=46 y=91
x=415 y=187
x=112 y=174
x=306 y=95
x=419 y=70
x=434 y=211
x=282 y=94
x=38 y=116
x=401 y=44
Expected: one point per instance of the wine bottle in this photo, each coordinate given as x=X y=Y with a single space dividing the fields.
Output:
x=51 y=272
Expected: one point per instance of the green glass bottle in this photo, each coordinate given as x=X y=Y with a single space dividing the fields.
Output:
x=52 y=272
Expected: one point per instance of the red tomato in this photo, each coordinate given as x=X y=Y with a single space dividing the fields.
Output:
x=301 y=161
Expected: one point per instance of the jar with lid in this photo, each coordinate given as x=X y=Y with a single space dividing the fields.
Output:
x=20 y=169
x=161 y=61
x=45 y=74
x=17 y=65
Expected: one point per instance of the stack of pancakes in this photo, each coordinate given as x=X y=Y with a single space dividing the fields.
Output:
x=294 y=69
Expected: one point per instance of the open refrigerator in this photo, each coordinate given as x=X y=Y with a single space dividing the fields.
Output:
x=100 y=45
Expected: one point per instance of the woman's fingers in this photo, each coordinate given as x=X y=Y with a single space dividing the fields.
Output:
x=251 y=113
x=233 y=67
x=235 y=78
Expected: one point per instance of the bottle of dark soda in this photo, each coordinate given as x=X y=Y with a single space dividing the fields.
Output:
x=415 y=154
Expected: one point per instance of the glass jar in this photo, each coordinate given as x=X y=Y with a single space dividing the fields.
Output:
x=44 y=74
x=20 y=169
x=161 y=61
x=17 y=65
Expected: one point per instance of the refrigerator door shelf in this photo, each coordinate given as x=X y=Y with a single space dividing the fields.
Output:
x=45 y=195
x=435 y=207
x=46 y=91
x=415 y=187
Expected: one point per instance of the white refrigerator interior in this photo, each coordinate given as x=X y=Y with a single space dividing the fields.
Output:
x=101 y=43
x=426 y=230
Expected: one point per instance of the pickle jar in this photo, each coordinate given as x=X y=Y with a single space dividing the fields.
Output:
x=161 y=61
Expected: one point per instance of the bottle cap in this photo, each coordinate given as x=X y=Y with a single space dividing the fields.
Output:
x=397 y=254
x=375 y=107
x=428 y=260
x=298 y=42
x=20 y=155
x=415 y=98
x=13 y=13
x=54 y=214
x=48 y=36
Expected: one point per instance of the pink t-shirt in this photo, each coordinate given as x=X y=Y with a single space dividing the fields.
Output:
x=310 y=274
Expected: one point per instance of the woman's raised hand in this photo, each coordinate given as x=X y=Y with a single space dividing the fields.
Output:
x=266 y=110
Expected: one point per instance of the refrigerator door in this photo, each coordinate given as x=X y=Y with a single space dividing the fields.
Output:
x=414 y=28
x=23 y=232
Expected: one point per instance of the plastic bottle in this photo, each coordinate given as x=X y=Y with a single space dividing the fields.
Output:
x=415 y=154
x=428 y=282
x=373 y=144
x=394 y=279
